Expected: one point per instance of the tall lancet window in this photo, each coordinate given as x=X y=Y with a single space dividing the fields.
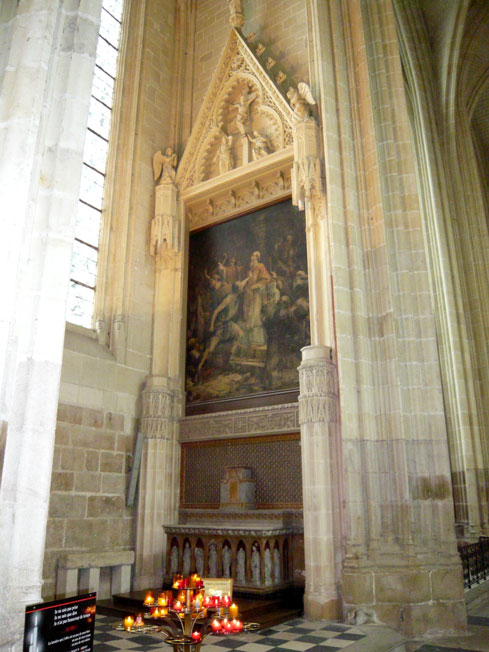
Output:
x=83 y=278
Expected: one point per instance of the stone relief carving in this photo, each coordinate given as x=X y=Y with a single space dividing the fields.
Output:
x=164 y=166
x=237 y=17
x=273 y=419
x=241 y=566
x=274 y=185
x=268 y=567
x=317 y=400
x=174 y=560
x=307 y=179
x=231 y=531
x=160 y=411
x=301 y=100
x=186 y=558
x=242 y=102
x=281 y=77
x=226 y=561
x=247 y=128
x=255 y=564
x=165 y=237
x=260 y=145
x=277 y=571
x=243 y=117
x=212 y=559
x=199 y=560
x=225 y=154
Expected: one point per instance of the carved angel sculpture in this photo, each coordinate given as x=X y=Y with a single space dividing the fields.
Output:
x=301 y=101
x=164 y=165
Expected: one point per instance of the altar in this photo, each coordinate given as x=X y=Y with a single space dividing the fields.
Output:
x=260 y=549
x=259 y=558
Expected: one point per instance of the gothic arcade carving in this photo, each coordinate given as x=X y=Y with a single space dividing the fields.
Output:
x=244 y=119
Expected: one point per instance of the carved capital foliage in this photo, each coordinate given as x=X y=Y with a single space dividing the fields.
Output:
x=161 y=410
x=317 y=399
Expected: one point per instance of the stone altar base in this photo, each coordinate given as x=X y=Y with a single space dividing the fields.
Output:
x=262 y=558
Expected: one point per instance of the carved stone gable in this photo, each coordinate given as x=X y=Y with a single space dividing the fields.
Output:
x=244 y=118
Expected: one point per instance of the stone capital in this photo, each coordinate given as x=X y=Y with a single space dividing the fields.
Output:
x=161 y=408
x=317 y=380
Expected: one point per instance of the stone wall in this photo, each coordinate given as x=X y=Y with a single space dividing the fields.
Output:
x=88 y=488
x=103 y=374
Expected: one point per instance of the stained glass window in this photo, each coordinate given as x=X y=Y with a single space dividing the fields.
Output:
x=83 y=276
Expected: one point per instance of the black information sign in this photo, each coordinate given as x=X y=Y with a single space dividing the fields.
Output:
x=61 y=626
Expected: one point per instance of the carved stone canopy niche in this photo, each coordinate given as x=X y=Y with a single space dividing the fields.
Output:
x=240 y=153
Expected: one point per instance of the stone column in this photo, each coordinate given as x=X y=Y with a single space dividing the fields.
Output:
x=317 y=415
x=158 y=479
x=162 y=397
x=401 y=566
x=46 y=73
x=450 y=185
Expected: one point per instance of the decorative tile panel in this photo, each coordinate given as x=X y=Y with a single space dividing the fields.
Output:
x=275 y=460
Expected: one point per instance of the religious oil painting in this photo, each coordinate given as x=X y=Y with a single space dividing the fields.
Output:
x=248 y=305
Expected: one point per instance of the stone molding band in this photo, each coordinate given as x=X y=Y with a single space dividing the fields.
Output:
x=229 y=531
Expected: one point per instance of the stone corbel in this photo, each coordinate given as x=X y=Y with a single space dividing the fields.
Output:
x=118 y=337
x=102 y=331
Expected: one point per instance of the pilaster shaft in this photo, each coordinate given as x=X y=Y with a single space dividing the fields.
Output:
x=308 y=192
x=159 y=478
x=317 y=415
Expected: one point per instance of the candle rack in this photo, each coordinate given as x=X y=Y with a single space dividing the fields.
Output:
x=186 y=616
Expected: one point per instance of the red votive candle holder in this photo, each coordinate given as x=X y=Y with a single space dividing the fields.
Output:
x=226 y=600
x=216 y=626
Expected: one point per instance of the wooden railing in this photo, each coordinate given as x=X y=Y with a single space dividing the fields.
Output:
x=475 y=561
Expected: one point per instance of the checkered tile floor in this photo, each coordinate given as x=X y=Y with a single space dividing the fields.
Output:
x=296 y=635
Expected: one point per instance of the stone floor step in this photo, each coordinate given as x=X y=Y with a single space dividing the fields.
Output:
x=265 y=612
